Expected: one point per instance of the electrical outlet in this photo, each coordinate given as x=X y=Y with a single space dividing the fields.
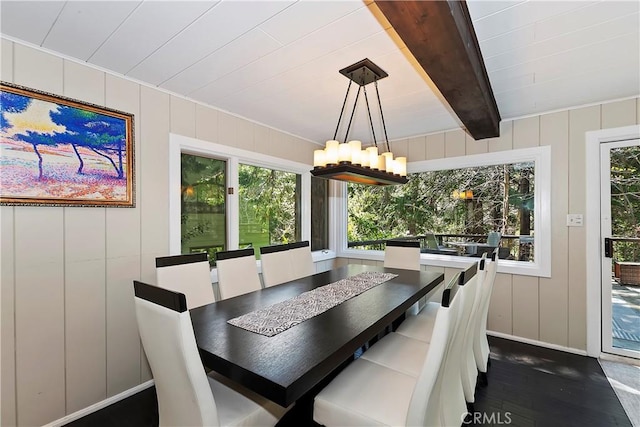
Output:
x=574 y=220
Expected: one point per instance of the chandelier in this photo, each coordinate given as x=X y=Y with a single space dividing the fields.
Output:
x=347 y=161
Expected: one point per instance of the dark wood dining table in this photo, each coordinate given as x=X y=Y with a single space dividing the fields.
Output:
x=284 y=367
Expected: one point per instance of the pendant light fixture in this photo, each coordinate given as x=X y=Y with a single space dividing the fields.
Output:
x=348 y=161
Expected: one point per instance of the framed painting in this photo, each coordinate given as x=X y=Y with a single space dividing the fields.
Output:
x=56 y=151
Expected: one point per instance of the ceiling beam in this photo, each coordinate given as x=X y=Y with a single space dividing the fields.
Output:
x=440 y=35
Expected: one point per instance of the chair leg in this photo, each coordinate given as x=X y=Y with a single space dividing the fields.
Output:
x=482 y=379
x=469 y=415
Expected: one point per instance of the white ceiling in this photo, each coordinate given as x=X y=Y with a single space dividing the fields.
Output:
x=277 y=62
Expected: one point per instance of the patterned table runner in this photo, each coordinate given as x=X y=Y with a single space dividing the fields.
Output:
x=279 y=317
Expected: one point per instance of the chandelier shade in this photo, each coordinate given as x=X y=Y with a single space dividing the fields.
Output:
x=347 y=161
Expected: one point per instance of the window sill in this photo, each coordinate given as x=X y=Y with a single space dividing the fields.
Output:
x=504 y=266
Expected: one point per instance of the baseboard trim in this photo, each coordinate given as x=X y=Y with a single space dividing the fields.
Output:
x=538 y=343
x=100 y=405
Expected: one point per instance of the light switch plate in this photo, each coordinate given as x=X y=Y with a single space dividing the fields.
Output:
x=574 y=220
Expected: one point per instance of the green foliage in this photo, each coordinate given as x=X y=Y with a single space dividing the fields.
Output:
x=427 y=203
x=268 y=200
x=625 y=201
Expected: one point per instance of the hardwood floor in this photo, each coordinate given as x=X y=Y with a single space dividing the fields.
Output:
x=528 y=386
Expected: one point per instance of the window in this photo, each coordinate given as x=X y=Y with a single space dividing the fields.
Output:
x=269 y=206
x=460 y=201
x=225 y=198
x=460 y=206
x=202 y=204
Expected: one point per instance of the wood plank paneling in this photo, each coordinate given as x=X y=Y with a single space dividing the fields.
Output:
x=123 y=340
x=183 y=117
x=435 y=148
x=554 y=291
x=400 y=148
x=229 y=129
x=39 y=275
x=39 y=293
x=246 y=137
x=580 y=121
x=303 y=151
x=85 y=333
x=505 y=140
x=36 y=69
x=84 y=234
x=454 y=143
x=475 y=147
x=500 y=306
x=525 y=307
x=206 y=123
x=154 y=170
x=85 y=329
x=618 y=114
x=417 y=149
x=7 y=318
x=526 y=132
x=83 y=83
x=6 y=61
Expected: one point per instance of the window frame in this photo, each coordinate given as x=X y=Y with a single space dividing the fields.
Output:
x=233 y=156
x=541 y=156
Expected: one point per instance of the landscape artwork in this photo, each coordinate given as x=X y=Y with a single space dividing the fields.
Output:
x=56 y=151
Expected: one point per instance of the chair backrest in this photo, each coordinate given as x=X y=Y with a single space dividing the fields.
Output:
x=469 y=370
x=182 y=387
x=493 y=238
x=276 y=265
x=486 y=288
x=452 y=404
x=188 y=274
x=237 y=272
x=301 y=260
x=424 y=407
x=402 y=254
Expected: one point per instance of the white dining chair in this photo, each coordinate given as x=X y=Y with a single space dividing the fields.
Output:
x=301 y=260
x=276 y=265
x=480 y=343
x=420 y=326
x=188 y=274
x=469 y=370
x=402 y=353
x=366 y=393
x=403 y=254
x=454 y=404
x=186 y=395
x=237 y=272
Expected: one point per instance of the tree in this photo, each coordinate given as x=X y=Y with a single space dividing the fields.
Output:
x=11 y=103
x=97 y=132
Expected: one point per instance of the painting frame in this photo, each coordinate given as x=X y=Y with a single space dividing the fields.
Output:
x=95 y=141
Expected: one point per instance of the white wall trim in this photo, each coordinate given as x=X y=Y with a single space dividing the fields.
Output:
x=233 y=155
x=100 y=405
x=538 y=343
x=592 y=224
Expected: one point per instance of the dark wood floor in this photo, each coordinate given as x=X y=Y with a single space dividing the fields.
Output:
x=528 y=386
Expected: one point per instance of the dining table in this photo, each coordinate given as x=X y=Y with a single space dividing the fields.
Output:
x=286 y=366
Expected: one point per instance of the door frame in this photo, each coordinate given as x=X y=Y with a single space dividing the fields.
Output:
x=593 y=232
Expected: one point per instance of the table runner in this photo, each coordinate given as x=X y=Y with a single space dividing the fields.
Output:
x=272 y=320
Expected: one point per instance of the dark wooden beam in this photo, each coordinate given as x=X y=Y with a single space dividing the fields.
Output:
x=440 y=35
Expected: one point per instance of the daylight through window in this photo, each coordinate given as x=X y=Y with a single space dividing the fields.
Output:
x=464 y=211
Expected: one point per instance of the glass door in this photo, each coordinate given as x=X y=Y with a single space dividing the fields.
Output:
x=620 y=231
